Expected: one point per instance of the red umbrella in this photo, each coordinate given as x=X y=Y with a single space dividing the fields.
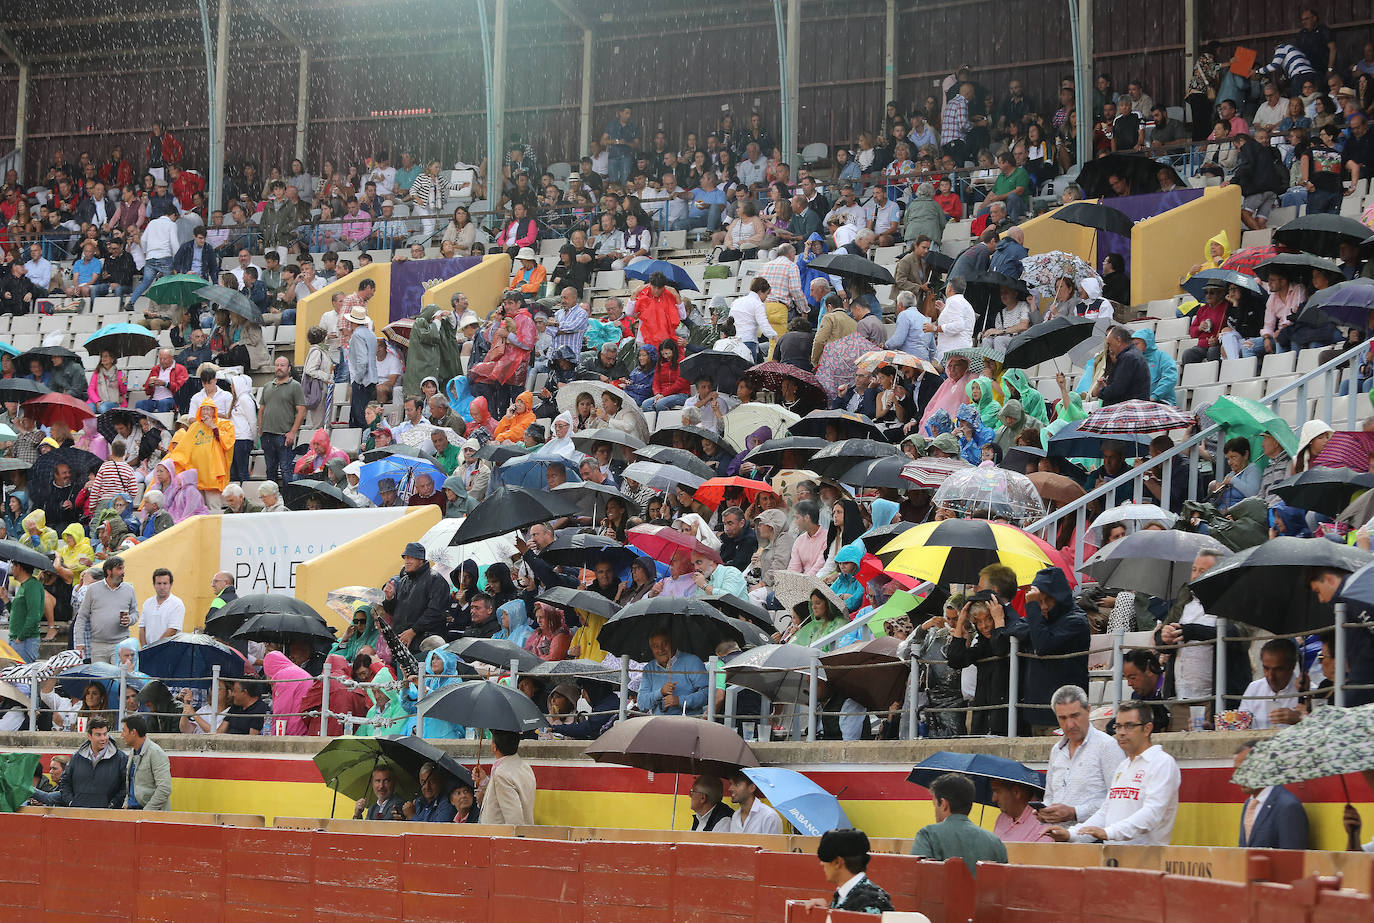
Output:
x=662 y=542
x=1346 y=450
x=713 y=490
x=48 y=409
x=1056 y=558
x=1247 y=259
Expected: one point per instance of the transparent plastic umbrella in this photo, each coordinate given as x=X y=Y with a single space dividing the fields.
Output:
x=992 y=492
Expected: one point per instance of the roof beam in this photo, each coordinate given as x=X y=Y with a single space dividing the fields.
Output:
x=8 y=46
x=265 y=13
x=568 y=10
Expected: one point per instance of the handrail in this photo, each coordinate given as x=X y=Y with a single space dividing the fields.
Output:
x=1136 y=475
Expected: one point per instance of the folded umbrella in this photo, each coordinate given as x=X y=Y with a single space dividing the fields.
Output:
x=1324 y=490
x=509 y=508
x=693 y=625
x=673 y=743
x=1046 y=341
x=778 y=672
x=1321 y=234
x=231 y=300
x=724 y=366
x=678 y=277
x=678 y=458
x=1345 y=303
x=189 y=659
x=1095 y=215
x=48 y=409
x=1154 y=562
x=810 y=809
x=484 y=705
x=1135 y=418
x=494 y=652
x=298 y=494
x=1328 y=742
x=852 y=266
x=869 y=672
x=982 y=768
x=122 y=340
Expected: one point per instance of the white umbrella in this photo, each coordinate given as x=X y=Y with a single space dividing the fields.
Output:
x=746 y=418
x=1135 y=516
x=656 y=476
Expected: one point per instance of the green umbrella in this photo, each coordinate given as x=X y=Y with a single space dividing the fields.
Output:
x=179 y=289
x=6 y=433
x=346 y=765
x=1329 y=742
x=1242 y=416
x=898 y=604
x=16 y=779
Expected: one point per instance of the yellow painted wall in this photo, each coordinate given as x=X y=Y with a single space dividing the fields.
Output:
x=311 y=308
x=483 y=284
x=1171 y=243
x=190 y=550
x=366 y=561
x=1044 y=233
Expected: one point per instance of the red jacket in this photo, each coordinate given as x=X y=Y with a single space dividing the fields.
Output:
x=668 y=380
x=123 y=175
x=172 y=150
x=178 y=378
x=1207 y=312
x=185 y=186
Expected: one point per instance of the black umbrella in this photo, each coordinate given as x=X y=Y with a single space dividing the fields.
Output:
x=105 y=423
x=621 y=442
x=231 y=300
x=81 y=463
x=1151 y=561
x=1141 y=172
x=1302 y=262
x=400 y=448
x=876 y=538
x=850 y=266
x=1095 y=215
x=849 y=425
x=591 y=499
x=494 y=652
x=296 y=494
x=19 y=390
x=991 y=279
x=724 y=367
x=582 y=549
x=781 y=672
x=1046 y=341
x=585 y=670
x=664 y=436
x=774 y=452
x=877 y=472
x=510 y=508
x=46 y=352
x=693 y=625
x=838 y=457
x=23 y=554
x=1321 y=234
x=742 y=610
x=1345 y=303
x=1266 y=586
x=938 y=261
x=586 y=600
x=280 y=627
x=498 y=453
x=1324 y=490
x=413 y=752
x=678 y=458
x=231 y=617
x=488 y=706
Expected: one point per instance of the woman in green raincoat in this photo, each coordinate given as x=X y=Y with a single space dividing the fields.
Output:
x=450 y=352
x=979 y=393
x=424 y=355
x=386 y=703
x=362 y=633
x=1032 y=401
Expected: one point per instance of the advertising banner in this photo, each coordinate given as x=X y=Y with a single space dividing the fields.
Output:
x=262 y=550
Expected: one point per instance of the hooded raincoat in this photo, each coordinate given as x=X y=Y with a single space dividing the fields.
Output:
x=37 y=535
x=1068 y=413
x=207 y=448
x=847 y=586
x=321 y=453
x=951 y=392
x=423 y=354
x=512 y=428
x=1063 y=629
x=514 y=613
x=1163 y=369
x=1032 y=401
x=987 y=404
x=75 y=549
x=442 y=672
x=1007 y=432
x=286 y=696
x=971 y=448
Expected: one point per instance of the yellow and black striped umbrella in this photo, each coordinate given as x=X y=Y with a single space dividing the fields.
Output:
x=955 y=550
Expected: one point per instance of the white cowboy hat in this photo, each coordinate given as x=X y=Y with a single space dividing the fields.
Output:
x=468 y=318
x=357 y=314
x=526 y=253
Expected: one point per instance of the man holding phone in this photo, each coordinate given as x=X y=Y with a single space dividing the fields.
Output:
x=107 y=611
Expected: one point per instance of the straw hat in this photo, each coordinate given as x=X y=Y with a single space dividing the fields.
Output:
x=357 y=314
x=526 y=253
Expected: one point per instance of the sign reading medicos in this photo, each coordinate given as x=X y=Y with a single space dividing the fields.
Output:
x=263 y=550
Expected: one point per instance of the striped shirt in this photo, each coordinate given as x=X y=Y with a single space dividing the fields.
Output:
x=112 y=478
x=428 y=192
x=571 y=328
x=784 y=280
x=954 y=122
x=1288 y=59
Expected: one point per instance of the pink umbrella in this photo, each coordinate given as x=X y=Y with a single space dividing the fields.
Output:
x=1346 y=450
x=662 y=542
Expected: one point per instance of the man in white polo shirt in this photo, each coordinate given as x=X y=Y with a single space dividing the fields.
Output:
x=1273 y=699
x=163 y=614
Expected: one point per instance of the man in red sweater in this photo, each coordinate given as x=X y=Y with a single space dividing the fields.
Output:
x=184 y=185
x=162 y=384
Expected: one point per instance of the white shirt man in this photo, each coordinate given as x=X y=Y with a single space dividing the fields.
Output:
x=384 y=177
x=751 y=318
x=39 y=271
x=953 y=329
x=1080 y=780
x=160 y=239
x=390 y=366
x=1273 y=698
x=752 y=815
x=163 y=614
x=753 y=172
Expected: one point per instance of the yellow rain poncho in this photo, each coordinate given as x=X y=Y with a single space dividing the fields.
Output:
x=37 y=535
x=206 y=446
x=75 y=549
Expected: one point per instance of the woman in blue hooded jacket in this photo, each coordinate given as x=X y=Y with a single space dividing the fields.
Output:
x=515 y=623
x=847 y=585
x=640 y=385
x=1163 y=368
x=972 y=434
x=441 y=672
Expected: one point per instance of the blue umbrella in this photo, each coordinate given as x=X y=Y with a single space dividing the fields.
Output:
x=1194 y=285
x=1070 y=443
x=71 y=683
x=122 y=340
x=808 y=807
x=189 y=659
x=1347 y=303
x=11 y=351
x=398 y=468
x=980 y=767
x=527 y=471
x=677 y=276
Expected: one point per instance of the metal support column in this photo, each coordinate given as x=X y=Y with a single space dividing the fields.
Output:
x=214 y=187
x=21 y=119
x=890 y=53
x=303 y=107
x=791 y=149
x=496 y=105
x=1081 y=31
x=585 y=112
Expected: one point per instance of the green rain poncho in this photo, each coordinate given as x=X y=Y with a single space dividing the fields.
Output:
x=450 y=353
x=1069 y=413
x=987 y=404
x=424 y=356
x=349 y=649
x=1032 y=401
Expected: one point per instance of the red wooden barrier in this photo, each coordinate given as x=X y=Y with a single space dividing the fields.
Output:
x=787 y=876
x=180 y=872
x=267 y=874
x=798 y=913
x=23 y=865
x=446 y=878
x=356 y=873
x=944 y=890
x=1028 y=894
x=899 y=877
x=627 y=882
x=1122 y=896
x=1202 y=900
x=714 y=882
x=1342 y=907
x=536 y=880
x=90 y=868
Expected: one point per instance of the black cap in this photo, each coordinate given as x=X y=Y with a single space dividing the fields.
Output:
x=842 y=844
x=414 y=550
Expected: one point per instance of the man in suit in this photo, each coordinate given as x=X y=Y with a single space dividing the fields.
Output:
x=1273 y=817
x=149 y=771
x=954 y=834
x=708 y=810
x=506 y=794
x=388 y=805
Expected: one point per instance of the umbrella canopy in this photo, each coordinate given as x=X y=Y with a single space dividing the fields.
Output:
x=742 y=610
x=955 y=550
x=1042 y=271
x=673 y=743
x=1095 y=215
x=1247 y=258
x=71 y=683
x=297 y=494
x=1072 y=442
x=1056 y=488
x=877 y=537
x=678 y=458
x=48 y=409
x=1328 y=742
x=1196 y=284
x=479 y=704
x=582 y=549
x=1321 y=234
x=578 y=600
x=795 y=589
x=1046 y=341
x=498 y=453
x=1135 y=516
x=723 y=366
x=623 y=444
x=121 y=340
x=279 y=627
x=21 y=389
x=693 y=625
x=578 y=669
x=930 y=473
x=26 y=555
x=47 y=352
x=745 y=419
x=346 y=765
x=592 y=499
x=531 y=472
x=41 y=670
x=678 y=277
x=711 y=492
x=991 y=280
x=1243 y=416
x=189 y=659
x=872 y=361
x=1346 y=303
x=232 y=616
x=877 y=472
x=400 y=468
x=869 y=672
x=401 y=449
x=851 y=266
x=1134 y=418
x=128 y=416
x=1157 y=563
x=398 y=331
x=657 y=476
x=180 y=289
x=982 y=768
x=9 y=350
x=778 y=672
x=848 y=425
x=810 y=809
x=995 y=493
x=1299 y=261
x=413 y=752
x=838 y=457
x=494 y=652
x=231 y=300
x=508 y=509
x=1324 y=490
x=1140 y=171
x=1265 y=586
x=977 y=356
x=421 y=436
x=769 y=376
x=79 y=461
x=669 y=436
